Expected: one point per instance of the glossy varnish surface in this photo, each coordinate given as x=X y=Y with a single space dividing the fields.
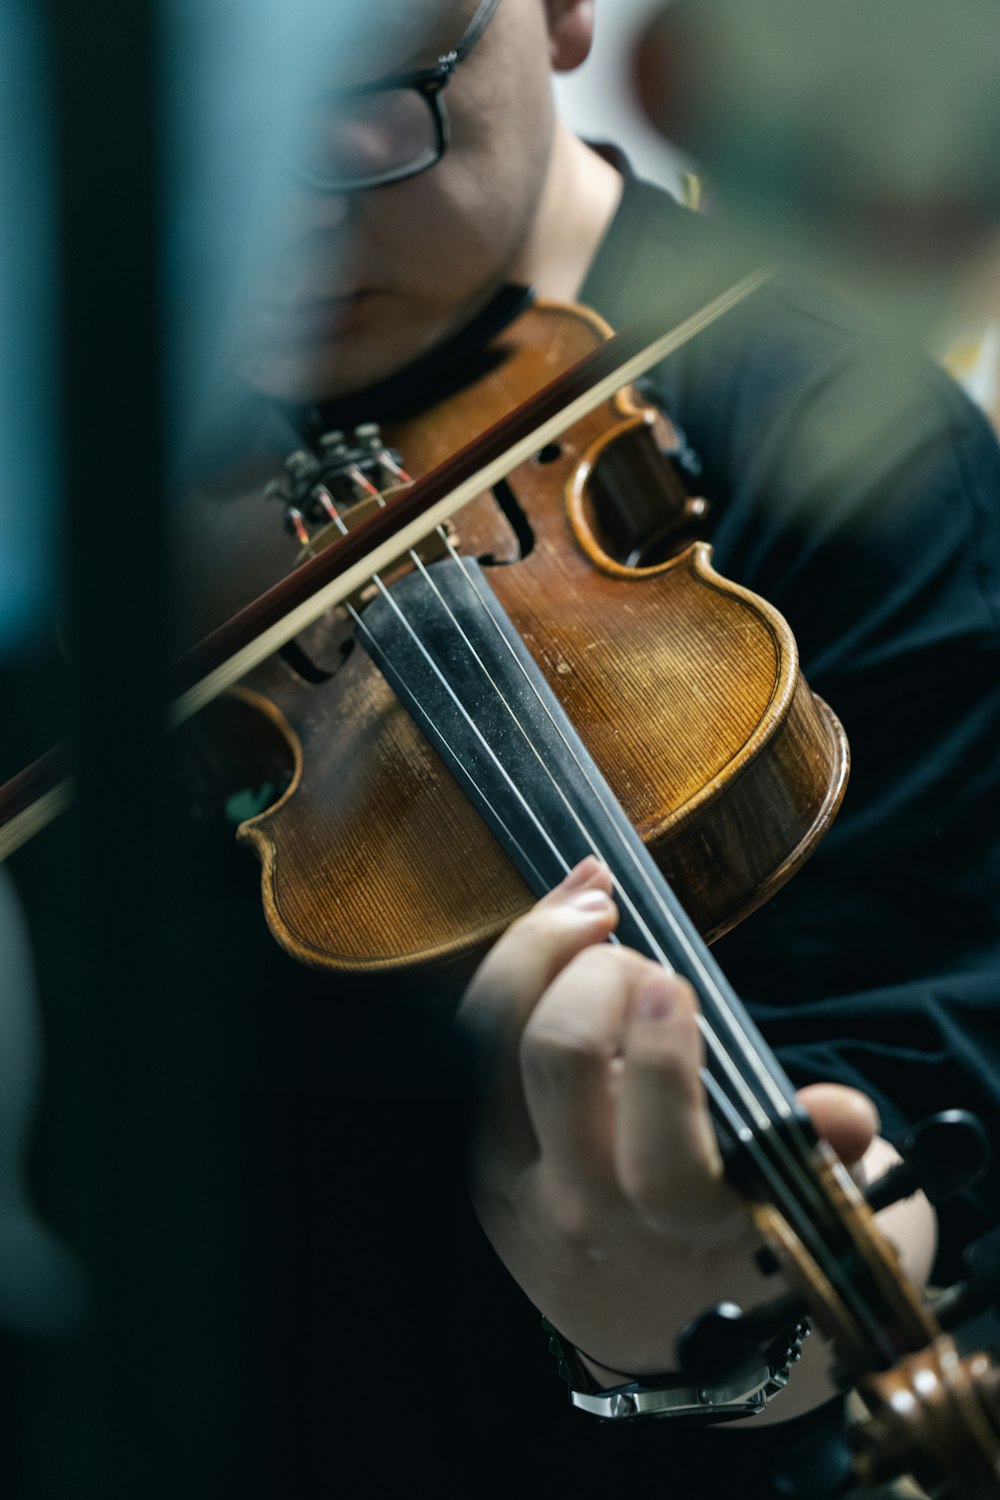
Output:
x=684 y=687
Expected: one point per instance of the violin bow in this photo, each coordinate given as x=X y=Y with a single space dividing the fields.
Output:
x=37 y=795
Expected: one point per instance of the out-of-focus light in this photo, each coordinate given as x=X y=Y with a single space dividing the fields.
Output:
x=860 y=136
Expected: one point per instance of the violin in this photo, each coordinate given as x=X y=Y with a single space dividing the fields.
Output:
x=577 y=681
x=731 y=805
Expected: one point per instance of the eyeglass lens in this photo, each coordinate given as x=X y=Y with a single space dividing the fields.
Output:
x=370 y=138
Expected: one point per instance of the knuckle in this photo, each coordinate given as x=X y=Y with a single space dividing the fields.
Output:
x=660 y=1069
x=556 y=1051
x=667 y=1059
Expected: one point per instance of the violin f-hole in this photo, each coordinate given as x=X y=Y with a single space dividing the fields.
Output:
x=517 y=520
x=626 y=506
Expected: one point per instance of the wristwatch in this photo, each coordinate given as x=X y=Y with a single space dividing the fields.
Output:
x=672 y=1395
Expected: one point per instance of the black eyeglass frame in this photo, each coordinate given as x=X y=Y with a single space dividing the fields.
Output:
x=429 y=83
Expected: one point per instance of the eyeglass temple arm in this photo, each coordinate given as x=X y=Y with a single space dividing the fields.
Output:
x=477 y=26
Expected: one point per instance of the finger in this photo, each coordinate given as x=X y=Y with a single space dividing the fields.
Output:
x=667 y=1156
x=516 y=973
x=570 y=1062
x=520 y=966
x=842 y=1116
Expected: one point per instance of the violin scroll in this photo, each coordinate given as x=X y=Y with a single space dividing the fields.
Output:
x=935 y=1416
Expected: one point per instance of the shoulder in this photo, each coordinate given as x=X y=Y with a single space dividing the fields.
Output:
x=822 y=438
x=828 y=450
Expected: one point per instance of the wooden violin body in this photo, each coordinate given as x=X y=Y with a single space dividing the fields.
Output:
x=684 y=687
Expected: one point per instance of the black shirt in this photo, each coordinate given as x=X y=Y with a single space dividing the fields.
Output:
x=855 y=487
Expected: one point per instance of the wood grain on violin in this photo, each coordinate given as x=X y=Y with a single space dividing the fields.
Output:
x=684 y=687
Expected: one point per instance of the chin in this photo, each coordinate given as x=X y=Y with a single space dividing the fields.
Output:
x=325 y=371
x=342 y=364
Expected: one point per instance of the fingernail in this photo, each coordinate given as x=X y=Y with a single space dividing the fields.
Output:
x=656 y=999
x=580 y=875
x=591 y=902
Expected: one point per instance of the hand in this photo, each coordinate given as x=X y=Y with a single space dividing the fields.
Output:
x=597 y=1176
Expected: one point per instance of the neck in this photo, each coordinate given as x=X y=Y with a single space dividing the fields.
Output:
x=578 y=202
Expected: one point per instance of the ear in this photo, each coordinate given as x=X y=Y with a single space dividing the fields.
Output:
x=571 y=32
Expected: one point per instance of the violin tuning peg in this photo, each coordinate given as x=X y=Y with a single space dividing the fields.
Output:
x=333 y=441
x=980 y=1289
x=368 y=435
x=766 y=1261
x=717 y=1345
x=724 y=1342
x=942 y=1156
x=982 y=1261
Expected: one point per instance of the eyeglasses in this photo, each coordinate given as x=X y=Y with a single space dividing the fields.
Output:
x=387 y=131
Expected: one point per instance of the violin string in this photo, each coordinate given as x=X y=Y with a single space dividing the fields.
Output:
x=778 y=1100
x=712 y=1040
x=726 y=1062
x=734 y=1022
x=359 y=625
x=807 y=1230
x=369 y=635
x=730 y=1115
x=483 y=598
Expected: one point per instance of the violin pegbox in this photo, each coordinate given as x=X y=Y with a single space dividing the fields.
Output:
x=932 y=1411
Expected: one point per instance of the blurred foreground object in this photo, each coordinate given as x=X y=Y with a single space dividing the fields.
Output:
x=856 y=139
x=40 y=1287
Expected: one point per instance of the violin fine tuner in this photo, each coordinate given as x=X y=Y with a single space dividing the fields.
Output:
x=942 y=1157
x=724 y=1342
x=316 y=488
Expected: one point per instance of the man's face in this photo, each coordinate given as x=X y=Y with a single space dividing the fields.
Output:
x=365 y=282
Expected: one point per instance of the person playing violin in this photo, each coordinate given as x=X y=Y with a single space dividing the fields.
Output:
x=849 y=484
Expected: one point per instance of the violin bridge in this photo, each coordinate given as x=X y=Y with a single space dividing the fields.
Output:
x=431 y=549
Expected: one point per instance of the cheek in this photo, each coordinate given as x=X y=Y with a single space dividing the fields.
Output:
x=464 y=236
x=465 y=222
